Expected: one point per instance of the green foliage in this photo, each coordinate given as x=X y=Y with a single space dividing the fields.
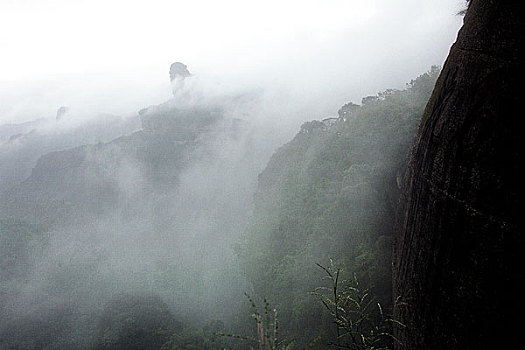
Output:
x=267 y=328
x=135 y=322
x=332 y=190
x=359 y=319
x=193 y=338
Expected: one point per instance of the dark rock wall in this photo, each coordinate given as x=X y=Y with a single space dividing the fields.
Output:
x=458 y=256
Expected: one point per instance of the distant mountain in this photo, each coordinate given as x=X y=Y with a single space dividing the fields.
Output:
x=21 y=145
x=86 y=181
x=10 y=132
x=153 y=210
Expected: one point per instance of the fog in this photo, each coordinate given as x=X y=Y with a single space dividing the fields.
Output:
x=112 y=56
x=149 y=213
x=118 y=181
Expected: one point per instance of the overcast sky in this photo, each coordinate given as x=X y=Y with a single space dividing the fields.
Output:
x=114 y=55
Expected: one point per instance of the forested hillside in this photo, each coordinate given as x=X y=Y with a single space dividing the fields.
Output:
x=129 y=242
x=237 y=207
x=332 y=192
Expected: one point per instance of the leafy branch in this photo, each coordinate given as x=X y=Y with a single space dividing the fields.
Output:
x=267 y=328
x=360 y=321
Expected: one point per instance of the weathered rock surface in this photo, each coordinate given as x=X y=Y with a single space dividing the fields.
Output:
x=61 y=112
x=458 y=258
x=178 y=73
x=179 y=70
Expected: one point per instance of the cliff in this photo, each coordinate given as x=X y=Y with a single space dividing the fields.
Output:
x=459 y=247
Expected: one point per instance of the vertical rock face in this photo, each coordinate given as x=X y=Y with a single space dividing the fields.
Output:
x=458 y=257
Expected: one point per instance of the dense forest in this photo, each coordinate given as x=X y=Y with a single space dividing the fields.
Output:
x=393 y=224
x=328 y=193
x=331 y=193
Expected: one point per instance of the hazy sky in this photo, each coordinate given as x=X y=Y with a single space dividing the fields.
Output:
x=114 y=55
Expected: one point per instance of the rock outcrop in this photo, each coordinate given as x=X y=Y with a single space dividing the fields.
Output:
x=178 y=73
x=458 y=259
x=179 y=70
x=78 y=183
x=61 y=112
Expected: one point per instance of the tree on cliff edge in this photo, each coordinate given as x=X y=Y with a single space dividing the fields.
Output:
x=459 y=252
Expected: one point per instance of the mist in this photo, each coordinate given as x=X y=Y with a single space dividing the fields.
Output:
x=117 y=182
x=100 y=57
